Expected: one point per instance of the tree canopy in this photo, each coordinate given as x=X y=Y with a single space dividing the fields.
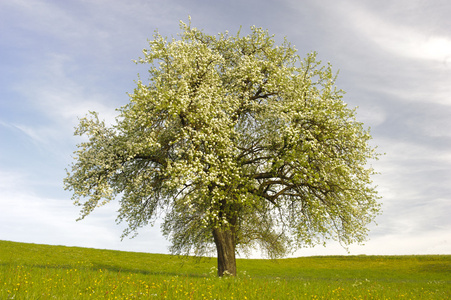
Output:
x=236 y=143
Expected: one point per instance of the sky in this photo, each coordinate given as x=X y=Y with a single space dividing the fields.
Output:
x=61 y=59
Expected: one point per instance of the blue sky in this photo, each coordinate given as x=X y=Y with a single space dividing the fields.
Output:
x=60 y=59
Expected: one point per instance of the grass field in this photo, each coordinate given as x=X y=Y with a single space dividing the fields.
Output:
x=30 y=271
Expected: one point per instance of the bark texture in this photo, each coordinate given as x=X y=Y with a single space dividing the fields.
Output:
x=225 y=246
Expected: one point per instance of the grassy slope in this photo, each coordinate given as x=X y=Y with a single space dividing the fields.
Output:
x=26 y=270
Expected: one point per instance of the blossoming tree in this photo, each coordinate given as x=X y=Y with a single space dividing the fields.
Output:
x=237 y=143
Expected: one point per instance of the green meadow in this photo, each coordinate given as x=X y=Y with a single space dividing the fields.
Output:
x=30 y=271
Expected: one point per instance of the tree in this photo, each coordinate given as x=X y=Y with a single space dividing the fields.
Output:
x=238 y=143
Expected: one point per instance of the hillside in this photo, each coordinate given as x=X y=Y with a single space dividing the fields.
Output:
x=45 y=272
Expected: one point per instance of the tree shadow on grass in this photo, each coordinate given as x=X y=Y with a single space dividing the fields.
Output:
x=118 y=269
x=110 y=268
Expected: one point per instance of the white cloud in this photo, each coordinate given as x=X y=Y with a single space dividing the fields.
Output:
x=398 y=240
x=40 y=135
x=28 y=217
x=431 y=242
x=395 y=36
x=436 y=48
x=10 y=180
x=60 y=100
x=405 y=41
x=372 y=115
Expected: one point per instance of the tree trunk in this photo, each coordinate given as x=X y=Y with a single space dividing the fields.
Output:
x=225 y=246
